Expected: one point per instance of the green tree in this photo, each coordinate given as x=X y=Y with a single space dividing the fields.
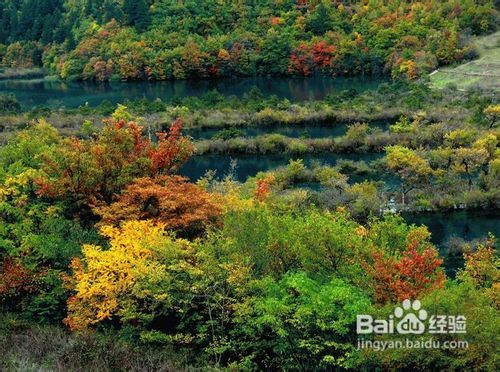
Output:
x=275 y=52
x=299 y=322
x=137 y=13
x=321 y=19
x=37 y=239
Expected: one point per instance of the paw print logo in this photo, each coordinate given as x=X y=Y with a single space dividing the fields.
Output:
x=411 y=322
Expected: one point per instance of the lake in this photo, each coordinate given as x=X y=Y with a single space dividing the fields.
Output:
x=317 y=130
x=250 y=165
x=464 y=225
x=35 y=92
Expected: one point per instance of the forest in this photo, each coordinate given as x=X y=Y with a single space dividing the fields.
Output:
x=103 y=40
x=151 y=226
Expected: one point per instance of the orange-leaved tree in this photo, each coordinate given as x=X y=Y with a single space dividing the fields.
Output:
x=323 y=55
x=301 y=61
x=263 y=188
x=170 y=200
x=15 y=279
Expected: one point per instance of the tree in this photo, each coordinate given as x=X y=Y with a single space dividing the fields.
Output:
x=263 y=188
x=468 y=160
x=137 y=13
x=323 y=56
x=457 y=298
x=473 y=295
x=320 y=20
x=194 y=60
x=492 y=112
x=298 y=321
x=178 y=205
x=112 y=11
x=275 y=242
x=366 y=198
x=301 y=61
x=15 y=281
x=482 y=267
x=89 y=172
x=134 y=281
x=275 y=52
x=416 y=272
x=37 y=239
x=172 y=150
x=412 y=168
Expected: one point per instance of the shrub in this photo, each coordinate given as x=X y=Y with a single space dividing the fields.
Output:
x=9 y=104
x=296 y=146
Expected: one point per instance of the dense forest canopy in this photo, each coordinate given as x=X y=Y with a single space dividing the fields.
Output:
x=158 y=40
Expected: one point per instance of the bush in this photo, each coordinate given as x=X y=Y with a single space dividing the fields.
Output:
x=296 y=146
x=226 y=134
x=9 y=104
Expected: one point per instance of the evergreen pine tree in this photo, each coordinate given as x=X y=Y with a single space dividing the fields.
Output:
x=14 y=25
x=137 y=13
x=321 y=19
x=112 y=11
x=3 y=22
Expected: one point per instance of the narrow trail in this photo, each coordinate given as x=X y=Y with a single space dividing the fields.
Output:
x=466 y=73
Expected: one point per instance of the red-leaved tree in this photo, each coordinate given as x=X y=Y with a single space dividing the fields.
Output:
x=92 y=171
x=416 y=272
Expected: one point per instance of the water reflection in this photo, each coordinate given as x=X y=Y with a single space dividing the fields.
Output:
x=320 y=130
x=73 y=94
x=250 y=165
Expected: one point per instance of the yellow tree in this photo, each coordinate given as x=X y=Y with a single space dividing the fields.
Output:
x=411 y=167
x=140 y=273
x=468 y=160
x=492 y=112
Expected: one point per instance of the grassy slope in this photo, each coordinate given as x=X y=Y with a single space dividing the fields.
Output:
x=30 y=347
x=468 y=75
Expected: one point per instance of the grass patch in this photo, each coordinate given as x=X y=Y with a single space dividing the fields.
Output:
x=482 y=73
x=31 y=347
x=21 y=73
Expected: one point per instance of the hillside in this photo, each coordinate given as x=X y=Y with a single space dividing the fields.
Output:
x=483 y=72
x=160 y=40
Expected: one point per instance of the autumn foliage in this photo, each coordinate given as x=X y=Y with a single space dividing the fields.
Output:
x=307 y=58
x=127 y=280
x=15 y=279
x=300 y=61
x=171 y=200
x=172 y=150
x=323 y=54
x=91 y=172
x=263 y=188
x=413 y=274
x=481 y=266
